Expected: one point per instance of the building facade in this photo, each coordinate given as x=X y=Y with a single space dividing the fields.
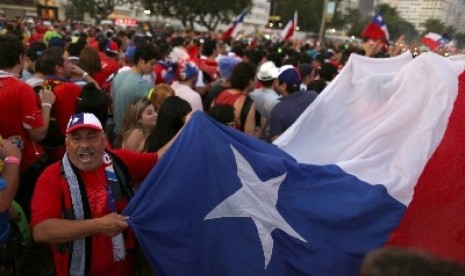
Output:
x=14 y=8
x=418 y=11
x=255 y=21
x=451 y=12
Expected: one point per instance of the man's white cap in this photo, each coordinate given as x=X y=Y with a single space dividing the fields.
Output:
x=83 y=120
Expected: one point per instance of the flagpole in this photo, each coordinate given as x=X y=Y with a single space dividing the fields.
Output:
x=295 y=19
x=323 y=21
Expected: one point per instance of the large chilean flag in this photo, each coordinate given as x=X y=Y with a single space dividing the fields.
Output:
x=400 y=124
x=378 y=158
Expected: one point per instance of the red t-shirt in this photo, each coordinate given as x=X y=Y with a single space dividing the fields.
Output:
x=19 y=111
x=66 y=96
x=210 y=67
x=51 y=189
x=228 y=98
x=109 y=66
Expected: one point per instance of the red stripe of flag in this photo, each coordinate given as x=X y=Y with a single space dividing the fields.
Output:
x=435 y=219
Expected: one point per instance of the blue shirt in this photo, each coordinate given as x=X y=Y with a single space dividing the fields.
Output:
x=286 y=112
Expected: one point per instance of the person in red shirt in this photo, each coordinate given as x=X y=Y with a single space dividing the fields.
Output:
x=57 y=68
x=23 y=114
x=83 y=185
x=109 y=57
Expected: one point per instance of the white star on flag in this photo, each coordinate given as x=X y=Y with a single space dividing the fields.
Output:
x=257 y=200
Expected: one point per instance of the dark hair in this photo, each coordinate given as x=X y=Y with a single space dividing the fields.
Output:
x=52 y=57
x=242 y=74
x=102 y=42
x=177 y=41
x=223 y=113
x=93 y=100
x=276 y=58
x=391 y=261
x=146 y=52
x=169 y=121
x=291 y=89
x=35 y=50
x=39 y=67
x=305 y=70
x=255 y=56
x=238 y=49
x=74 y=49
x=209 y=47
x=317 y=85
x=267 y=83
x=11 y=48
x=328 y=71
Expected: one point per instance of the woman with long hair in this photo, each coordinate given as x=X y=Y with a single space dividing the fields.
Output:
x=171 y=117
x=138 y=123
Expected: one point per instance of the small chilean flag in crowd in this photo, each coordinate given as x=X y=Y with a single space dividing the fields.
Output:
x=376 y=29
x=434 y=40
x=233 y=27
x=289 y=30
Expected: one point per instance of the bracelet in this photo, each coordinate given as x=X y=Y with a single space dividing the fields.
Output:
x=12 y=160
x=84 y=75
x=46 y=104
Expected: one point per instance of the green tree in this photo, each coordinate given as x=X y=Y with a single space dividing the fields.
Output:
x=396 y=25
x=433 y=25
x=355 y=22
x=309 y=13
x=439 y=27
x=460 y=39
x=451 y=31
x=203 y=12
x=338 y=21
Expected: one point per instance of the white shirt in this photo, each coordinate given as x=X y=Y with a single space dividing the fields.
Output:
x=188 y=94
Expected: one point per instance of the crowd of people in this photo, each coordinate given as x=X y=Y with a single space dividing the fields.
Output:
x=88 y=110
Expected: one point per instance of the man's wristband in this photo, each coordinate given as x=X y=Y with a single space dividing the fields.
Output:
x=46 y=104
x=12 y=160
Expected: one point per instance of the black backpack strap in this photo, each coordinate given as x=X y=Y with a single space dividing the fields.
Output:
x=122 y=173
x=245 y=109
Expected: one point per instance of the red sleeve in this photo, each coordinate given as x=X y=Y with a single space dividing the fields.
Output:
x=100 y=78
x=65 y=103
x=31 y=116
x=48 y=195
x=139 y=164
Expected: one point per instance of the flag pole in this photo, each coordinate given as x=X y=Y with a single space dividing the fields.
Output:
x=296 y=15
x=323 y=21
